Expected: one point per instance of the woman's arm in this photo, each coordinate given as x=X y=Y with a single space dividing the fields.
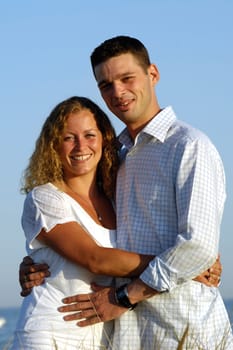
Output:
x=72 y=242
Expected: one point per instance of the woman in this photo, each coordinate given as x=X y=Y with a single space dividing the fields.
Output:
x=69 y=223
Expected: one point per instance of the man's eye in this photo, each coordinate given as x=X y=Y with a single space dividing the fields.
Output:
x=128 y=78
x=104 y=87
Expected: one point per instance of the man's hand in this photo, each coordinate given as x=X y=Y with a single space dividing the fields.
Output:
x=92 y=308
x=31 y=275
x=212 y=276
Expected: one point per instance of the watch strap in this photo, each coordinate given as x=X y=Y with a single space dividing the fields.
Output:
x=122 y=297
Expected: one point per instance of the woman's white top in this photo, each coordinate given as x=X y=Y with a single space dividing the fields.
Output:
x=40 y=325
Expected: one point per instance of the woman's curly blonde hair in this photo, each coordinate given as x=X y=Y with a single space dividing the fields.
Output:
x=45 y=164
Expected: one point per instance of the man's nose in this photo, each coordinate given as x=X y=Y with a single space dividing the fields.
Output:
x=118 y=89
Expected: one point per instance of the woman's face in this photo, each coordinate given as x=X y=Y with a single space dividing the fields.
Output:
x=81 y=148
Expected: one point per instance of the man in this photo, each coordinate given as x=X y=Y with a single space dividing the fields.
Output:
x=170 y=199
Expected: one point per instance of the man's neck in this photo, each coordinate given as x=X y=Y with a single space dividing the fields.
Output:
x=135 y=129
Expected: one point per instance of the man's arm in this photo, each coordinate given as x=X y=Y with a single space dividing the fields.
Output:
x=92 y=308
x=211 y=277
x=105 y=304
x=31 y=275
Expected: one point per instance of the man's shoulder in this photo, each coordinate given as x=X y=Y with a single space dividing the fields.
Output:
x=187 y=132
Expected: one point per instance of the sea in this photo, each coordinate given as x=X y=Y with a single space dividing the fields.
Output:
x=9 y=316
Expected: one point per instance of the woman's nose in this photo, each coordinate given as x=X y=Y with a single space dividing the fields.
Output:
x=79 y=142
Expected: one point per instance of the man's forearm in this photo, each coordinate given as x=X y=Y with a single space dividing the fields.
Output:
x=139 y=291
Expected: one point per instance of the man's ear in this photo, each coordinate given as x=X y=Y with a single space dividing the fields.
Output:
x=154 y=73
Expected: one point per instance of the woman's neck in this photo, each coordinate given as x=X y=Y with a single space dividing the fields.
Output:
x=86 y=188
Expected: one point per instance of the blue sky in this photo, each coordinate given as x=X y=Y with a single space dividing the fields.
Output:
x=45 y=49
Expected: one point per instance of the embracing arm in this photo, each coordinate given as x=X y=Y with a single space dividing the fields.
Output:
x=32 y=274
x=106 y=304
x=72 y=242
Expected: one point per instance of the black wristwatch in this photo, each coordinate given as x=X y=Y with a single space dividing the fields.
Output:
x=122 y=297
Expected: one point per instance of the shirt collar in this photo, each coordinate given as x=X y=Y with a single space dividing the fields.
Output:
x=157 y=127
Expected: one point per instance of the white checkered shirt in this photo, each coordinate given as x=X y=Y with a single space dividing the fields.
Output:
x=170 y=200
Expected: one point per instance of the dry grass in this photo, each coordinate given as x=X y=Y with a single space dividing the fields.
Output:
x=186 y=342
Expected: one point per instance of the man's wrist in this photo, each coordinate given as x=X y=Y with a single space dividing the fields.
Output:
x=122 y=297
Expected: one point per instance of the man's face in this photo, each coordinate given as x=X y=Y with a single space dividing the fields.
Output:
x=127 y=89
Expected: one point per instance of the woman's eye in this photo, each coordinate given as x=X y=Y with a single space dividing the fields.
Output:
x=68 y=138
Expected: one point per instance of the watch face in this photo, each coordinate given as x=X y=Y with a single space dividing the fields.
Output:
x=122 y=298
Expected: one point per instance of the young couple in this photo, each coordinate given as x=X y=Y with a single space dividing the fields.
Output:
x=169 y=202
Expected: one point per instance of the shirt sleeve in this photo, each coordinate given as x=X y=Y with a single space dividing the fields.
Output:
x=200 y=195
x=44 y=209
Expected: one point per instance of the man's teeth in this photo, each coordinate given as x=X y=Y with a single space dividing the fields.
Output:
x=81 y=157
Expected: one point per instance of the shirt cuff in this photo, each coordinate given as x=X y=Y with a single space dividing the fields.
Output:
x=160 y=276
